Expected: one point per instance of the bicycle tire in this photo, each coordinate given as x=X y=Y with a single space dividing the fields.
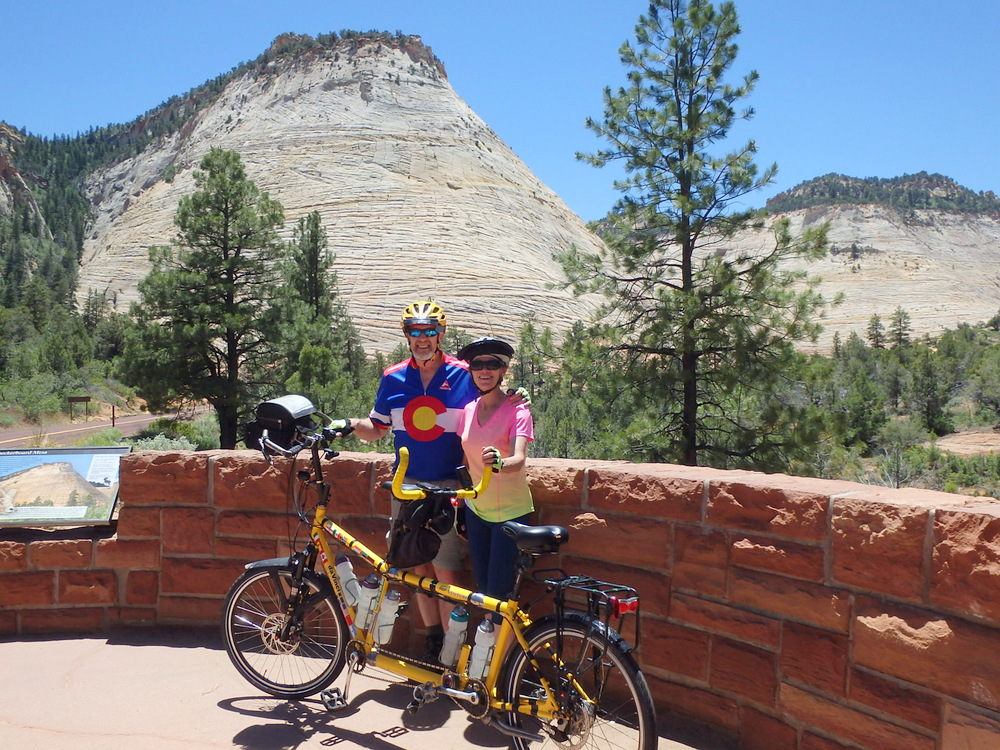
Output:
x=304 y=663
x=625 y=718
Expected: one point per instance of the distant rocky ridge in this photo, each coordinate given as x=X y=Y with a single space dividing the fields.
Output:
x=942 y=267
x=420 y=199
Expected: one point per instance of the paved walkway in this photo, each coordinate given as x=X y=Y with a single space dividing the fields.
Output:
x=176 y=690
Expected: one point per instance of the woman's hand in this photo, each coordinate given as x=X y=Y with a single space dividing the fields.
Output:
x=492 y=458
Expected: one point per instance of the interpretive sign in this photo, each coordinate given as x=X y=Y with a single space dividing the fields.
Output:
x=59 y=486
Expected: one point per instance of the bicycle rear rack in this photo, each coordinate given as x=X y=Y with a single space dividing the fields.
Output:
x=598 y=600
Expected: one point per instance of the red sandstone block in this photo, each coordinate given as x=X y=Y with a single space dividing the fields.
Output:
x=815 y=657
x=190 y=610
x=945 y=654
x=246 y=550
x=971 y=730
x=131 y=616
x=965 y=560
x=650 y=489
x=758 y=731
x=350 y=477
x=382 y=472
x=556 y=482
x=786 y=598
x=243 y=479
x=164 y=478
x=72 y=620
x=65 y=553
x=138 y=522
x=198 y=575
x=188 y=531
x=712 y=709
x=618 y=538
x=701 y=561
x=812 y=741
x=27 y=589
x=779 y=556
x=744 y=670
x=848 y=723
x=128 y=553
x=8 y=623
x=255 y=523
x=675 y=649
x=13 y=556
x=911 y=704
x=789 y=507
x=87 y=587
x=879 y=547
x=142 y=587
x=716 y=617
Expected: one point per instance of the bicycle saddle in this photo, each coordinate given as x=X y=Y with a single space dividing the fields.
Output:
x=536 y=540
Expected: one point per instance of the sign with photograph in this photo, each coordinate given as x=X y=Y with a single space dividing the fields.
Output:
x=59 y=486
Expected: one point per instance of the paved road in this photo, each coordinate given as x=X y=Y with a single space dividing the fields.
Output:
x=64 y=434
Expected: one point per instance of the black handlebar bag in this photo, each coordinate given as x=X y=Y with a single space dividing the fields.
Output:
x=284 y=419
x=415 y=537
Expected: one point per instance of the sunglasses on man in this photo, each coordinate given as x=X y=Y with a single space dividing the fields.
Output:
x=485 y=364
x=416 y=333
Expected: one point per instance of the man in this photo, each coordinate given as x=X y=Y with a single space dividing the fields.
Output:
x=420 y=400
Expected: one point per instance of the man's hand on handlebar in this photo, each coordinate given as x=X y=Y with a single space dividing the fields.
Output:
x=341 y=427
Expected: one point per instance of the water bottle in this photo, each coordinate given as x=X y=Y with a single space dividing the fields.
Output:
x=486 y=637
x=387 y=617
x=348 y=580
x=366 y=600
x=454 y=638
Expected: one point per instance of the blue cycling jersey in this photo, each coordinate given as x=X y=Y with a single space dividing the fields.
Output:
x=425 y=420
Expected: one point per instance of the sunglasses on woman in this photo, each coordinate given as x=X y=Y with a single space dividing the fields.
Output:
x=485 y=364
x=416 y=333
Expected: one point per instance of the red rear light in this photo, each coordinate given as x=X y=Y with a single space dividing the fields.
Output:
x=621 y=607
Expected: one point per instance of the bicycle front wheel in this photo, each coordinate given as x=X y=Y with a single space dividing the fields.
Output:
x=286 y=659
x=620 y=713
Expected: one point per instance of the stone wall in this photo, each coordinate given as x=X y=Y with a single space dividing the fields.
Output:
x=792 y=613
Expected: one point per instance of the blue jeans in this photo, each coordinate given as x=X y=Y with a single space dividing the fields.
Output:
x=493 y=554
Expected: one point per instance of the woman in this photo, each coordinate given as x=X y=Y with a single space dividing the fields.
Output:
x=495 y=434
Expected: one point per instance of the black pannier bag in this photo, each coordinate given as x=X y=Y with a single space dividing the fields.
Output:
x=283 y=418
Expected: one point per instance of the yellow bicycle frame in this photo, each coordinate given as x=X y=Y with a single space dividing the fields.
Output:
x=515 y=620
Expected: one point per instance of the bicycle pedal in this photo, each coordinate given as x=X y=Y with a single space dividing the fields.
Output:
x=333 y=699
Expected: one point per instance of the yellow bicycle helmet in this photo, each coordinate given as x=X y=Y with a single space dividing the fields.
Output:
x=423 y=313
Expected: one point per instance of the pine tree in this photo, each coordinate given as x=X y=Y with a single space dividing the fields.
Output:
x=702 y=331
x=205 y=325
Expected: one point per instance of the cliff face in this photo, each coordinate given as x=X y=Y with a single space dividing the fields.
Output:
x=14 y=193
x=420 y=199
x=941 y=267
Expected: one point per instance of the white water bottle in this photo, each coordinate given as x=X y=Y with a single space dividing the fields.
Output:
x=387 y=617
x=454 y=638
x=366 y=600
x=486 y=638
x=348 y=580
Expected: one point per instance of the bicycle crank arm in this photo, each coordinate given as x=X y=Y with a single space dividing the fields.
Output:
x=511 y=731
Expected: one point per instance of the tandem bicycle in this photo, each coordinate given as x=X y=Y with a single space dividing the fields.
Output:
x=567 y=679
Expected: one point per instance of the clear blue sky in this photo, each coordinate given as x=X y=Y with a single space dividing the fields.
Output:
x=861 y=87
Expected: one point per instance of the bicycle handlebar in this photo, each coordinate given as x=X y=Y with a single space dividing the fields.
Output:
x=317 y=440
x=419 y=494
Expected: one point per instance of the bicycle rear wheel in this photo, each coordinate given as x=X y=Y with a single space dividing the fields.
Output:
x=311 y=654
x=622 y=716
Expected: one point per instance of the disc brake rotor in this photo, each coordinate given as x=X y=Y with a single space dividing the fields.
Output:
x=270 y=635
